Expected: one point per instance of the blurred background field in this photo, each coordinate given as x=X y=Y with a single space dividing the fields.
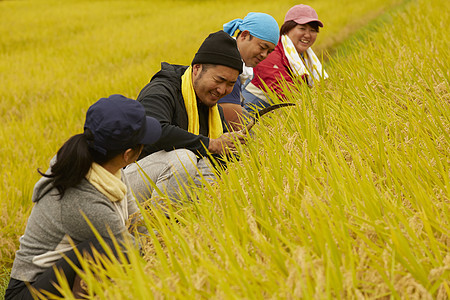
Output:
x=351 y=198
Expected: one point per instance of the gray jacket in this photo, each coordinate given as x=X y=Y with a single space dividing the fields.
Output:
x=54 y=220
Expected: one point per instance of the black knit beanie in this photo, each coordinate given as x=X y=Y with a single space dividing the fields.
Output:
x=219 y=48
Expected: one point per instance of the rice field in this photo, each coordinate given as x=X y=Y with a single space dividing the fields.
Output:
x=344 y=196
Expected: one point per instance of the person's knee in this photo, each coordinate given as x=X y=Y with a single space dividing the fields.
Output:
x=159 y=163
x=183 y=161
x=170 y=171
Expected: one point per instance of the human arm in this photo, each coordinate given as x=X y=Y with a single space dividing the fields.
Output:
x=232 y=108
x=163 y=102
x=226 y=143
x=234 y=115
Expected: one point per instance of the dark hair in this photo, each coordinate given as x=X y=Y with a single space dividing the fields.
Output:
x=73 y=161
x=239 y=33
x=206 y=67
x=289 y=25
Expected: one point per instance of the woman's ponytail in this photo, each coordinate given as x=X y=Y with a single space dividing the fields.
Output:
x=73 y=161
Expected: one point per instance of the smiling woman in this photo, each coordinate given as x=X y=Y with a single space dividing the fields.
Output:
x=54 y=63
x=292 y=58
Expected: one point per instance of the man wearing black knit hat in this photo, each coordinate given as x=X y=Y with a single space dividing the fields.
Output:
x=184 y=100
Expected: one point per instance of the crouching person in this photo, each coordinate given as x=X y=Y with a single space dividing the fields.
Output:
x=256 y=39
x=184 y=100
x=85 y=180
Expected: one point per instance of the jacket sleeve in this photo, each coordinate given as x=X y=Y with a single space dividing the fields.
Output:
x=273 y=78
x=159 y=101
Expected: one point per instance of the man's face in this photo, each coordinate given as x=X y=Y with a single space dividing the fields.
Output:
x=213 y=82
x=252 y=49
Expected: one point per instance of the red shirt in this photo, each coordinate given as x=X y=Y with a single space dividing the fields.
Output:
x=273 y=69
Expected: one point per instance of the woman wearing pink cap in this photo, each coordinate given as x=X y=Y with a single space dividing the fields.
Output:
x=292 y=58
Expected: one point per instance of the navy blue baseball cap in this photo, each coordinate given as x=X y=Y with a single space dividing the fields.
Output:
x=119 y=123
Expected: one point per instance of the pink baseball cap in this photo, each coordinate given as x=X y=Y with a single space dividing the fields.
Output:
x=302 y=14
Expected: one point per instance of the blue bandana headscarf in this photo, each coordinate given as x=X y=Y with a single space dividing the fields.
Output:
x=260 y=25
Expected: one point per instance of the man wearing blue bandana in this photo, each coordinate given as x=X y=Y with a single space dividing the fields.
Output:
x=258 y=34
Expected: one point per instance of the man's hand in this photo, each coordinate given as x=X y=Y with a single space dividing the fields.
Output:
x=226 y=143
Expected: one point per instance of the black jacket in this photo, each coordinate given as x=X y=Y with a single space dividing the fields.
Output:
x=163 y=100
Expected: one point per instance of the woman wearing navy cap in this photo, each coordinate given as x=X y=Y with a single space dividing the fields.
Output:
x=85 y=180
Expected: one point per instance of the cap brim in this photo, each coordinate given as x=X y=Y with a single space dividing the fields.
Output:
x=302 y=21
x=152 y=132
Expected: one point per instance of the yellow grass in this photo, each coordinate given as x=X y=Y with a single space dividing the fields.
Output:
x=57 y=58
x=363 y=210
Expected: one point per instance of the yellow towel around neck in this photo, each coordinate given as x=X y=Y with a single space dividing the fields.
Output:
x=107 y=183
x=190 y=101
